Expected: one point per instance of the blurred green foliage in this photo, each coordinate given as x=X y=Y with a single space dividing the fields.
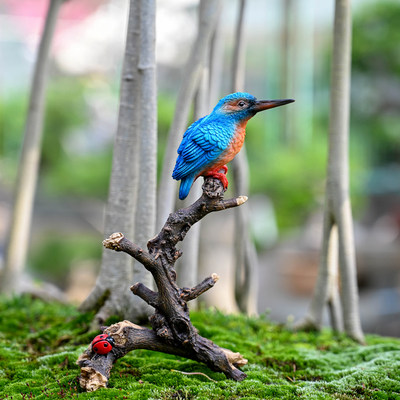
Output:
x=292 y=176
x=65 y=111
x=81 y=175
x=52 y=259
x=376 y=81
x=376 y=39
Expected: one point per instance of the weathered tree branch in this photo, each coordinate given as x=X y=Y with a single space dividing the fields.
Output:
x=118 y=242
x=193 y=293
x=145 y=293
x=95 y=371
x=172 y=331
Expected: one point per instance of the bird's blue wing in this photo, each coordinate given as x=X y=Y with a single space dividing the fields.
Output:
x=188 y=133
x=202 y=143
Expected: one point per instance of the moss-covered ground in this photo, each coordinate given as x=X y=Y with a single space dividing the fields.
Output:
x=39 y=345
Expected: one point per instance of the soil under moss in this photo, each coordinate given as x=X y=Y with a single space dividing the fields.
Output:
x=40 y=342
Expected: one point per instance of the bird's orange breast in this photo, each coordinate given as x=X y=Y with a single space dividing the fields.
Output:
x=233 y=148
x=236 y=143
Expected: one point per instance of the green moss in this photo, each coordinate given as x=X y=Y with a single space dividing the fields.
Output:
x=39 y=345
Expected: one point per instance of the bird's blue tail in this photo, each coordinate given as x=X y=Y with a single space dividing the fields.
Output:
x=186 y=184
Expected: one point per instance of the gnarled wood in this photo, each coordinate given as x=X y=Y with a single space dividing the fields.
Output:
x=172 y=331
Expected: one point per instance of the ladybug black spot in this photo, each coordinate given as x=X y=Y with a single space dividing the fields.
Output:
x=105 y=344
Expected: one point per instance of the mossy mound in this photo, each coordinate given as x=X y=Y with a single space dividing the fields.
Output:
x=39 y=345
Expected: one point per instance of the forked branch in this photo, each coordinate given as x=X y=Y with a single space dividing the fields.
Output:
x=172 y=331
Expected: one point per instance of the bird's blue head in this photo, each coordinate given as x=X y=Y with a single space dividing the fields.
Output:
x=243 y=106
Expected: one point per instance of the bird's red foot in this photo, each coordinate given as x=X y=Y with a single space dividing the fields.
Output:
x=219 y=173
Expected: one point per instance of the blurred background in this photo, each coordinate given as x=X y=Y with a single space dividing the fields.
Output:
x=288 y=50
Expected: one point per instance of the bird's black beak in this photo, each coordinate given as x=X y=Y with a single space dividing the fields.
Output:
x=261 y=105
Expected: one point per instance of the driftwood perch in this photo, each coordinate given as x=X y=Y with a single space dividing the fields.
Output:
x=172 y=331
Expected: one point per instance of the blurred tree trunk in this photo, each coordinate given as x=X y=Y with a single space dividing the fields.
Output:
x=337 y=213
x=246 y=283
x=18 y=237
x=188 y=265
x=334 y=306
x=238 y=60
x=209 y=11
x=133 y=166
x=147 y=199
x=216 y=64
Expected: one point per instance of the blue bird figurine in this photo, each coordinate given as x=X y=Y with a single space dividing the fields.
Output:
x=214 y=140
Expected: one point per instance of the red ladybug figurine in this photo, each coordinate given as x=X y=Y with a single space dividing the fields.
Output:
x=102 y=344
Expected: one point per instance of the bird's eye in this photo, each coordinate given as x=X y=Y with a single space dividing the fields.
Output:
x=241 y=103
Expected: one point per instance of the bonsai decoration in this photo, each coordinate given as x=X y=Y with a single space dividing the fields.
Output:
x=207 y=146
x=172 y=331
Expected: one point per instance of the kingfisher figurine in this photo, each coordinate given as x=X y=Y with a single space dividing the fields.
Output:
x=214 y=140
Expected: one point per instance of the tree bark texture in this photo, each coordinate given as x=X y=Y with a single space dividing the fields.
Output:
x=146 y=204
x=172 y=331
x=337 y=214
x=209 y=14
x=18 y=237
x=110 y=294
